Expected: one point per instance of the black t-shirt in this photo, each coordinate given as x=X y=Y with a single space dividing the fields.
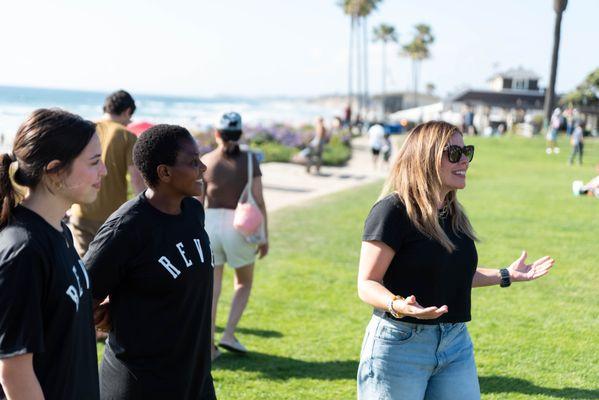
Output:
x=421 y=266
x=157 y=269
x=46 y=308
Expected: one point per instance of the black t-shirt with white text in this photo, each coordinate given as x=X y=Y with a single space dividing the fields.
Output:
x=157 y=269
x=421 y=266
x=46 y=308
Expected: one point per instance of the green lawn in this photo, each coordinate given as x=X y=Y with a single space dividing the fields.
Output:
x=538 y=340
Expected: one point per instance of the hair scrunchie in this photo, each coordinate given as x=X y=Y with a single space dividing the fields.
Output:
x=14 y=165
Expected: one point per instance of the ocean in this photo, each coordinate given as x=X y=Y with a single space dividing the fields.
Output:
x=193 y=113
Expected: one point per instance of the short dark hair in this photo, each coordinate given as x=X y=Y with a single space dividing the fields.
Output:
x=118 y=102
x=158 y=145
x=46 y=135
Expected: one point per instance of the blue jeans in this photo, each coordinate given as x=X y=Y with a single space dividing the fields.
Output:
x=400 y=360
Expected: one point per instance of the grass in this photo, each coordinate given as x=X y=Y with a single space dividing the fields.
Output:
x=536 y=340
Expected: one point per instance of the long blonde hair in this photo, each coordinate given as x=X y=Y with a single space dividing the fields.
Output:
x=416 y=178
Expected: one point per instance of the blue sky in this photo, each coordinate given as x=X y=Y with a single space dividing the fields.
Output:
x=278 y=47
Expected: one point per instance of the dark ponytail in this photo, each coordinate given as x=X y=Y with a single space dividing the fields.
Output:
x=7 y=191
x=231 y=149
x=230 y=140
x=46 y=135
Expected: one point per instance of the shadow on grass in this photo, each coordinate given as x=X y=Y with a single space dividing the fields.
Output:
x=283 y=368
x=503 y=384
x=265 y=333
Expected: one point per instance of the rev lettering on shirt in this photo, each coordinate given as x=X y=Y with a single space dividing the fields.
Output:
x=199 y=247
x=72 y=292
x=82 y=266
x=166 y=263
x=174 y=271
x=78 y=281
x=188 y=263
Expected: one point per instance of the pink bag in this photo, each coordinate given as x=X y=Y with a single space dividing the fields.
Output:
x=248 y=218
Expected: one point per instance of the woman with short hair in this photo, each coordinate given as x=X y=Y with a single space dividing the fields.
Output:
x=152 y=258
x=417 y=266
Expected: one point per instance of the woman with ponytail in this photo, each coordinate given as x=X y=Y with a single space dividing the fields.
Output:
x=418 y=265
x=47 y=341
x=226 y=178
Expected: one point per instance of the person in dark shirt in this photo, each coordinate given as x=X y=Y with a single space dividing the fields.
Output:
x=47 y=342
x=152 y=258
x=417 y=266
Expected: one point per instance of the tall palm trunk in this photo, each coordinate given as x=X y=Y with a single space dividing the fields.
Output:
x=366 y=100
x=559 y=6
x=384 y=74
x=418 y=66
x=350 y=94
x=415 y=66
x=359 y=92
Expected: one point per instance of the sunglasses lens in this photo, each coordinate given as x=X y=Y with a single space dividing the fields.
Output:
x=468 y=152
x=454 y=154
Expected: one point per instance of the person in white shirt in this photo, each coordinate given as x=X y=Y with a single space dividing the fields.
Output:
x=376 y=141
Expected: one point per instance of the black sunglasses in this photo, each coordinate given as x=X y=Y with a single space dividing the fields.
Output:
x=454 y=152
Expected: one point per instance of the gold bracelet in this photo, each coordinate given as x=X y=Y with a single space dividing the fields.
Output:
x=390 y=308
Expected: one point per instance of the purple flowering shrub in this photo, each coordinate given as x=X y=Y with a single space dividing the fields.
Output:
x=280 y=142
x=282 y=134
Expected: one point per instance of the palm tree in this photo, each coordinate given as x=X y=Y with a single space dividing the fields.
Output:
x=558 y=6
x=384 y=33
x=358 y=11
x=366 y=8
x=418 y=50
x=350 y=7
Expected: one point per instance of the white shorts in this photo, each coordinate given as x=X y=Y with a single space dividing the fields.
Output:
x=228 y=245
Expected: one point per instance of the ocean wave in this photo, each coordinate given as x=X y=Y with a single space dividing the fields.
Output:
x=17 y=103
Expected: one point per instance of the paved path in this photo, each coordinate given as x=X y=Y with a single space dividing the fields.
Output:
x=288 y=184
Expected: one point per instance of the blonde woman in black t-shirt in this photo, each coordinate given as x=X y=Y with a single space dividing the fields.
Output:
x=47 y=341
x=417 y=266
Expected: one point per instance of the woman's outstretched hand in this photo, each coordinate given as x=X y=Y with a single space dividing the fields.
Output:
x=520 y=271
x=410 y=307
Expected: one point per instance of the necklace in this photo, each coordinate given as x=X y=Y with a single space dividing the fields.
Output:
x=444 y=211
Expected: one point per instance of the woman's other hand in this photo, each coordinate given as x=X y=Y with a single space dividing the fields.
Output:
x=102 y=315
x=410 y=307
x=262 y=250
x=520 y=271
